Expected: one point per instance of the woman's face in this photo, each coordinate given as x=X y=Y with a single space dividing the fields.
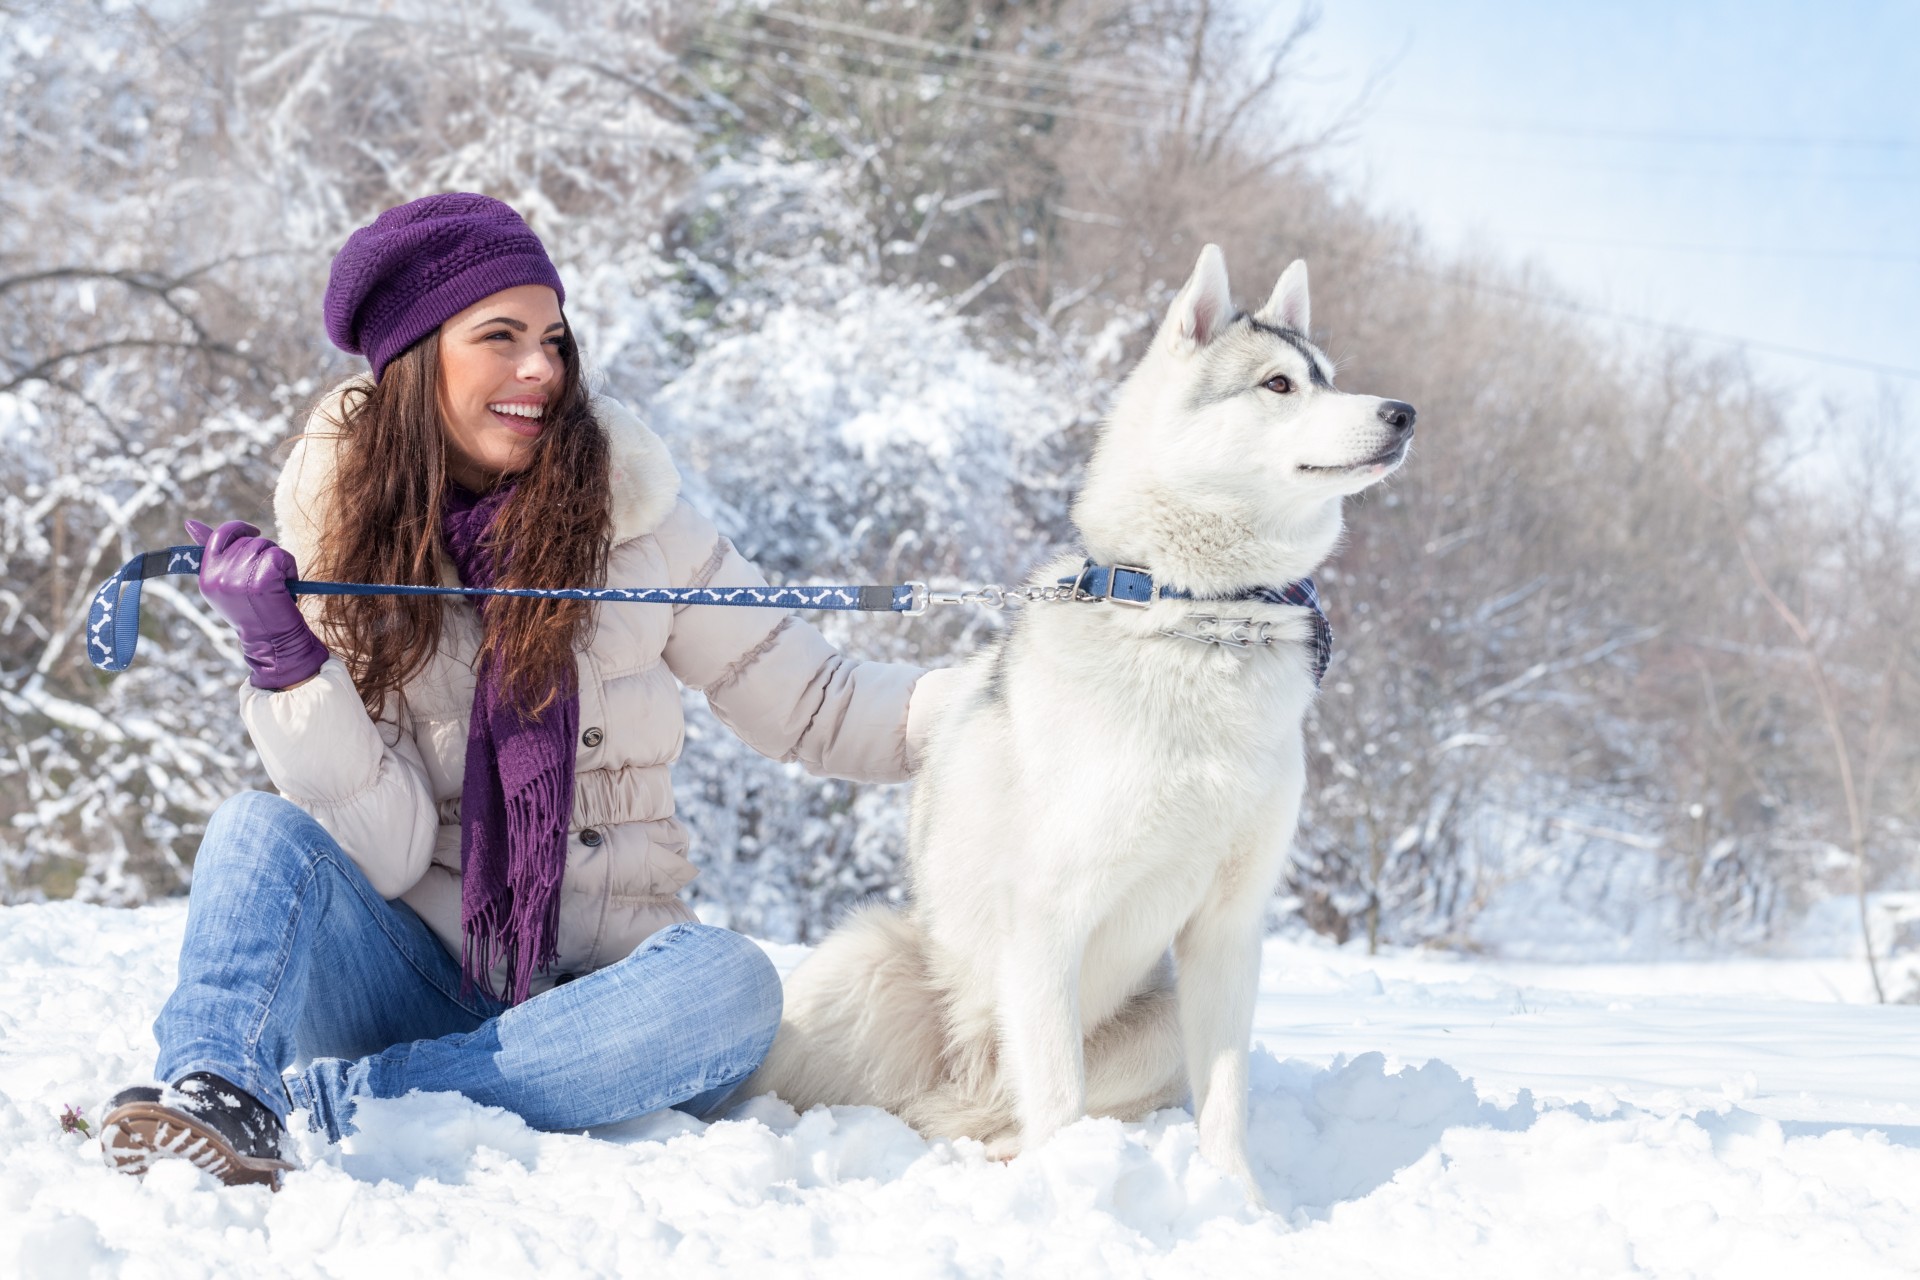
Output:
x=500 y=372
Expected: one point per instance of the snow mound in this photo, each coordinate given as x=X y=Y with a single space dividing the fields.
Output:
x=1373 y=1163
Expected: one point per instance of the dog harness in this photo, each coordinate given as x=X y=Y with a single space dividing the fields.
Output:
x=1126 y=584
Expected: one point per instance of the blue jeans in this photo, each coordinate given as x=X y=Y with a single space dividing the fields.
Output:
x=290 y=956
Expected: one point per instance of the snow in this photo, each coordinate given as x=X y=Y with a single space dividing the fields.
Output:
x=1411 y=1114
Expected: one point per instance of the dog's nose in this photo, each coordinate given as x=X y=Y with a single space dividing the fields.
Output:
x=1397 y=414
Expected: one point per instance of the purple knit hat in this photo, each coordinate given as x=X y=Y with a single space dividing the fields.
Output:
x=398 y=279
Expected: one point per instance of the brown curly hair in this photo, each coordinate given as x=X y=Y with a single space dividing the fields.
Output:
x=389 y=490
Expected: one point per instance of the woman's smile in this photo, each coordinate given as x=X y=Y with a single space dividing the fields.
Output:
x=520 y=415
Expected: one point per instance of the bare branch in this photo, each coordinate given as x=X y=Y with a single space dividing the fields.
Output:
x=1541 y=670
x=39 y=371
x=965 y=298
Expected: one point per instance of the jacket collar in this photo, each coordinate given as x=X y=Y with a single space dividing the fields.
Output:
x=644 y=481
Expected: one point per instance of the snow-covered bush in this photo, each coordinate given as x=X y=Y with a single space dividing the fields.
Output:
x=873 y=270
x=863 y=440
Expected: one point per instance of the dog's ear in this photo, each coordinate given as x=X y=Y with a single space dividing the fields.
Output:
x=1288 y=307
x=1203 y=307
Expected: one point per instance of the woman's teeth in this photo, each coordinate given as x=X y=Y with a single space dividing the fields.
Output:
x=517 y=410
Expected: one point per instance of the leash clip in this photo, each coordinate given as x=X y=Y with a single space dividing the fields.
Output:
x=991 y=596
x=921 y=597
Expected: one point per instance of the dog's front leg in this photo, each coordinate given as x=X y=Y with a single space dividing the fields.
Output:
x=1041 y=1046
x=1217 y=959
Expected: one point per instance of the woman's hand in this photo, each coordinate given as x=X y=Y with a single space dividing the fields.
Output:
x=244 y=577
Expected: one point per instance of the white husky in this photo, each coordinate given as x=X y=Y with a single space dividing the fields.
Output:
x=1105 y=806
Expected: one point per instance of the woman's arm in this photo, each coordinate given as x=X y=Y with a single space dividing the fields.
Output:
x=776 y=681
x=306 y=719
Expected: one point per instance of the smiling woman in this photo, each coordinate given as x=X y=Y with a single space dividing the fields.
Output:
x=470 y=878
x=446 y=424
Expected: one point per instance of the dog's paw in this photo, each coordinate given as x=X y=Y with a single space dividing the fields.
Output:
x=1003 y=1148
x=1235 y=1166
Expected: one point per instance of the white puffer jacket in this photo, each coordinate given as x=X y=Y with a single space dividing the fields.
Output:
x=389 y=790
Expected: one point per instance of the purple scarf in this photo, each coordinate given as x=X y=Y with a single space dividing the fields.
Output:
x=516 y=799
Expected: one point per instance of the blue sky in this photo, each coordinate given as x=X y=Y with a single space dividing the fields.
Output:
x=1750 y=169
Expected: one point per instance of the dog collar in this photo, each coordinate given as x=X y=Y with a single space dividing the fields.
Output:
x=1130 y=584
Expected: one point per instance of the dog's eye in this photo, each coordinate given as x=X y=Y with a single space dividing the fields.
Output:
x=1279 y=384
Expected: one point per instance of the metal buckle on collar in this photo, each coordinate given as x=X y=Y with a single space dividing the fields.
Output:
x=1078 y=591
x=1113 y=581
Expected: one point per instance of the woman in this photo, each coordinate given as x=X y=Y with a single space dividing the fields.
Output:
x=469 y=879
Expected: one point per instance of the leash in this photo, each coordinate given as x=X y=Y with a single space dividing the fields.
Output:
x=113 y=616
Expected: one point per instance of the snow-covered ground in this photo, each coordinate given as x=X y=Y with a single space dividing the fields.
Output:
x=1413 y=1115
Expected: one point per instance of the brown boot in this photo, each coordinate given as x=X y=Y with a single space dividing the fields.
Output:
x=217 y=1125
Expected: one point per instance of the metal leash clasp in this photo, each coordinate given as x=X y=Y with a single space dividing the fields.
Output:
x=922 y=597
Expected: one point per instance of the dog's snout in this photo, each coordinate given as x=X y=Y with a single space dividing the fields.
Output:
x=1397 y=414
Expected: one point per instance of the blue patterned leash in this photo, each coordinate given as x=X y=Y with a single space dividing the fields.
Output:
x=113 y=618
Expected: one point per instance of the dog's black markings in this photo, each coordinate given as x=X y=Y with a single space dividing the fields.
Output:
x=1229 y=379
x=1294 y=339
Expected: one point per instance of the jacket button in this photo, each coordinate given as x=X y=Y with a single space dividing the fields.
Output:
x=590 y=837
x=592 y=737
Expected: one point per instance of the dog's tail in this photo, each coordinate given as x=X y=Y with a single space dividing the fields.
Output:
x=866 y=1024
x=862 y=1024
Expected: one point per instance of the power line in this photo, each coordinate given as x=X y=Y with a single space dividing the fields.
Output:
x=1646 y=322
x=1677 y=168
x=964 y=95
x=1061 y=83
x=1040 y=71
x=1692 y=137
x=1035 y=77
x=1733 y=250
x=956 y=51
x=808 y=67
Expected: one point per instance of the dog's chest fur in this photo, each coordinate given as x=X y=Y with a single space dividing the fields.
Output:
x=1117 y=775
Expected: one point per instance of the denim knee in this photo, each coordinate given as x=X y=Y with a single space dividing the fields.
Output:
x=250 y=826
x=745 y=981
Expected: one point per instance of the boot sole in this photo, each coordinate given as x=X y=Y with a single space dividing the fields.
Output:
x=133 y=1136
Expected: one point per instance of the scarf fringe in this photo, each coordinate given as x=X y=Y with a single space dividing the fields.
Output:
x=543 y=808
x=520 y=921
x=516 y=799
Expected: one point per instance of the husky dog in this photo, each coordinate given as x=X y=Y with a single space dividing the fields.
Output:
x=1105 y=807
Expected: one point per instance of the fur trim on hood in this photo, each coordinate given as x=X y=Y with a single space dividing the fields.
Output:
x=644 y=481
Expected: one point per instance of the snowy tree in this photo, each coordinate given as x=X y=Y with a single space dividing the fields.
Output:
x=874 y=270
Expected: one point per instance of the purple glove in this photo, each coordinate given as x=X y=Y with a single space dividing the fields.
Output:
x=244 y=577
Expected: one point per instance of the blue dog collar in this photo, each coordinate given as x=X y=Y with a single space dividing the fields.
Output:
x=1133 y=585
